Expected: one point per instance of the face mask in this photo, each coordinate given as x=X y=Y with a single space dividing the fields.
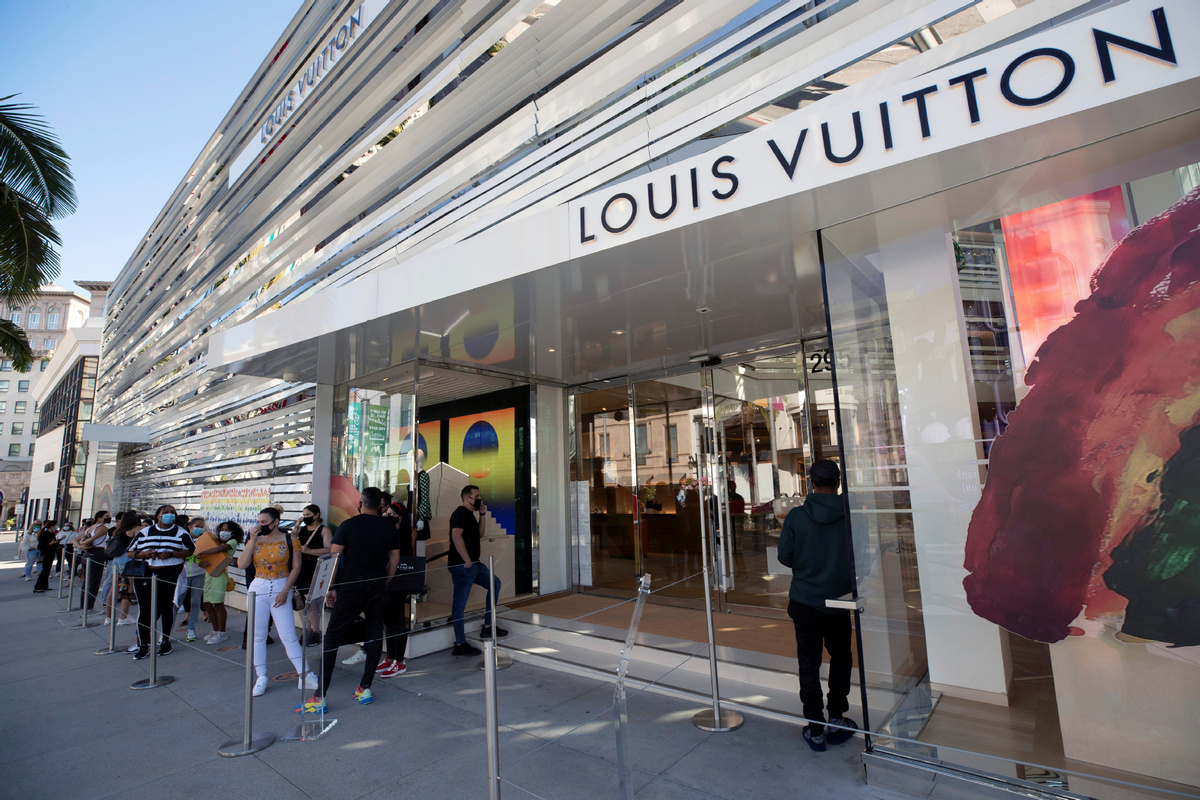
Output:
x=167 y=519
x=308 y=521
x=478 y=503
x=223 y=536
x=197 y=530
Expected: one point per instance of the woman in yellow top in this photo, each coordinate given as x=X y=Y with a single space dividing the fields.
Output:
x=274 y=576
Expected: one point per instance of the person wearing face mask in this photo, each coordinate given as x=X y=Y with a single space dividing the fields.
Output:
x=315 y=540
x=229 y=535
x=276 y=567
x=31 y=549
x=163 y=545
x=190 y=587
x=467 y=525
x=369 y=550
x=91 y=545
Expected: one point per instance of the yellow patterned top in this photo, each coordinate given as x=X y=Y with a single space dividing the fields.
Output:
x=270 y=561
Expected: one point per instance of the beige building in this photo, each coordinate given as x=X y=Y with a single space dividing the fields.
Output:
x=46 y=320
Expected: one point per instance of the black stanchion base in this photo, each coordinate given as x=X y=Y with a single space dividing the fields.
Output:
x=258 y=741
x=163 y=680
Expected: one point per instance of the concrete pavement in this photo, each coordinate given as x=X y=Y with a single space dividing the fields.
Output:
x=71 y=727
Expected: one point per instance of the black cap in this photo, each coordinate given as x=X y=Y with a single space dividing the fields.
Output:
x=825 y=473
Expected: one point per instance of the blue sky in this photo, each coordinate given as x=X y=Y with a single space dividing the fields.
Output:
x=133 y=89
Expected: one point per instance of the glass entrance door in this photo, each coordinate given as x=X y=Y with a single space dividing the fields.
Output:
x=672 y=483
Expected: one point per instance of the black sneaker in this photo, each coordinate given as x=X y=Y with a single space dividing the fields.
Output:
x=164 y=650
x=466 y=649
x=312 y=638
x=486 y=632
x=844 y=733
x=270 y=639
x=142 y=652
x=39 y=591
x=815 y=738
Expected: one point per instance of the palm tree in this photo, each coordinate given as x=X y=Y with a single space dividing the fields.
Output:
x=35 y=188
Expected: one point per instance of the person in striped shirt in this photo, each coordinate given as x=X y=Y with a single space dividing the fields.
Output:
x=163 y=545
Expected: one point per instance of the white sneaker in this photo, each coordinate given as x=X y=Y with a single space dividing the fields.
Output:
x=108 y=621
x=357 y=658
x=309 y=682
x=127 y=621
x=260 y=686
x=218 y=637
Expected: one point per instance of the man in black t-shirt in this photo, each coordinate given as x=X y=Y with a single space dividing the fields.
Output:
x=369 y=550
x=466 y=530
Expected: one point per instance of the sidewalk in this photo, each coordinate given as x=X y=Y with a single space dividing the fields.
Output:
x=71 y=727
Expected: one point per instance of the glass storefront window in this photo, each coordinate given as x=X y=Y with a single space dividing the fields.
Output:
x=1015 y=362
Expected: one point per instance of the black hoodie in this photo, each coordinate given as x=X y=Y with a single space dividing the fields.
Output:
x=815 y=545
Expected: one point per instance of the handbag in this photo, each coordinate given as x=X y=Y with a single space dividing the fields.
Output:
x=136 y=568
x=229 y=584
x=410 y=576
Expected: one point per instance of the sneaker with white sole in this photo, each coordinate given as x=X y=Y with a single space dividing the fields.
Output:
x=191 y=636
x=218 y=637
x=357 y=658
x=127 y=621
x=392 y=669
x=307 y=682
x=260 y=686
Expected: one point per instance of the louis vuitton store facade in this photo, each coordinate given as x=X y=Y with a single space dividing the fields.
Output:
x=970 y=275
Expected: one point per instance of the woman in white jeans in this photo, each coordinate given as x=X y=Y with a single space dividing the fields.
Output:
x=275 y=573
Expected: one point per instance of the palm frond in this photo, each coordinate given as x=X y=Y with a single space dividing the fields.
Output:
x=32 y=160
x=15 y=345
x=27 y=255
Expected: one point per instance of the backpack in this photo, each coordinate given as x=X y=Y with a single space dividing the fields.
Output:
x=116 y=545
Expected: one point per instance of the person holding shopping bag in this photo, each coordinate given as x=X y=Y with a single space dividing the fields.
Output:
x=276 y=562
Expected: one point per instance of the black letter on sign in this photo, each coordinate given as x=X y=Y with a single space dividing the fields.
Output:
x=858 y=142
x=789 y=166
x=674 y=200
x=885 y=119
x=968 y=84
x=922 y=112
x=728 y=176
x=1164 y=52
x=1068 y=65
x=608 y=205
x=695 y=190
x=584 y=237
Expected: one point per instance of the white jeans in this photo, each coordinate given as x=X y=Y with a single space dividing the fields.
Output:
x=264 y=592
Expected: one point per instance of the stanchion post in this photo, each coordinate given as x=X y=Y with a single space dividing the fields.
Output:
x=492 y=718
x=113 y=605
x=45 y=565
x=83 y=597
x=502 y=661
x=70 y=585
x=155 y=680
x=251 y=742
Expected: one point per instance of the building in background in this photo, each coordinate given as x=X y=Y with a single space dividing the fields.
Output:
x=46 y=320
x=64 y=397
x=630 y=267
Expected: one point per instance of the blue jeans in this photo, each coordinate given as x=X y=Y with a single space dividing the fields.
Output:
x=464 y=578
x=195 y=585
x=31 y=555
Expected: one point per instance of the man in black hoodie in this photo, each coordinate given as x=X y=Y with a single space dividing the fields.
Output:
x=815 y=544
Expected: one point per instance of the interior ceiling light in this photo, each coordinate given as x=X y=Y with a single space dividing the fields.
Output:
x=550 y=350
x=619 y=332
